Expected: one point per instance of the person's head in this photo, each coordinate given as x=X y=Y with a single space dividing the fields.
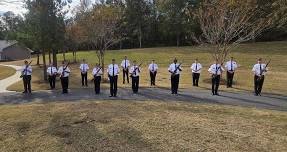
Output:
x=97 y=65
x=135 y=62
x=259 y=60
x=231 y=58
x=84 y=61
x=51 y=64
x=126 y=57
x=152 y=61
x=26 y=62
x=216 y=61
x=196 y=60
x=63 y=62
x=113 y=61
x=175 y=60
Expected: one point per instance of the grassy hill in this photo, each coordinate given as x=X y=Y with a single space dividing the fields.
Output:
x=139 y=127
x=6 y=72
x=246 y=55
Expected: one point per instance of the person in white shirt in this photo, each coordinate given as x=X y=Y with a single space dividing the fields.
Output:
x=175 y=70
x=26 y=73
x=125 y=66
x=215 y=70
x=259 y=70
x=196 y=70
x=64 y=72
x=52 y=73
x=153 y=67
x=84 y=67
x=113 y=72
x=97 y=74
x=230 y=67
x=135 y=75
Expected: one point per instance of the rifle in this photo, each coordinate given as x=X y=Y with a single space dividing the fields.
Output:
x=175 y=70
x=263 y=70
x=96 y=73
x=22 y=73
x=64 y=70
x=135 y=70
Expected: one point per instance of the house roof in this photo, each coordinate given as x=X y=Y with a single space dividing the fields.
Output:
x=6 y=43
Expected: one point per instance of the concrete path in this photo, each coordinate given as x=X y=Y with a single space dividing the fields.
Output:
x=5 y=83
x=245 y=99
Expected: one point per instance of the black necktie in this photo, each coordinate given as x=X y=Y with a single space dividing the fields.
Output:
x=51 y=70
x=153 y=67
x=125 y=63
x=113 y=70
x=216 y=69
x=231 y=66
x=195 y=67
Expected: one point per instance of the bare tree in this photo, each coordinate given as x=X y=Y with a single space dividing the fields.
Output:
x=100 y=24
x=226 y=23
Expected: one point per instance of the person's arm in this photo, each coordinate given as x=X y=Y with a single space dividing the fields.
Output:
x=131 y=70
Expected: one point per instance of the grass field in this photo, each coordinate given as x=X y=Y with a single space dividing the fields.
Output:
x=246 y=55
x=6 y=72
x=140 y=126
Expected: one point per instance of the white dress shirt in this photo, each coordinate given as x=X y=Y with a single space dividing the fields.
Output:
x=173 y=67
x=26 y=70
x=196 y=68
x=125 y=64
x=153 y=67
x=135 y=71
x=52 y=71
x=64 y=72
x=97 y=71
x=215 y=69
x=84 y=68
x=257 y=70
x=231 y=65
x=113 y=70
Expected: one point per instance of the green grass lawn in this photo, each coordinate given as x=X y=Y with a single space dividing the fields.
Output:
x=245 y=54
x=139 y=126
x=6 y=72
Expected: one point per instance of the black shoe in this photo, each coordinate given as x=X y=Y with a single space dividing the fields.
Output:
x=111 y=96
x=217 y=94
x=255 y=94
x=115 y=96
x=24 y=92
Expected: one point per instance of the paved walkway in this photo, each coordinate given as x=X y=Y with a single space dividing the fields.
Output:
x=269 y=101
x=5 y=83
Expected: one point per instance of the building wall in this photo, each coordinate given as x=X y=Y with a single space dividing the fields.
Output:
x=15 y=52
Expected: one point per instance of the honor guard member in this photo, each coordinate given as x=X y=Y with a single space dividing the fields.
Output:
x=259 y=70
x=52 y=73
x=175 y=70
x=215 y=70
x=125 y=65
x=84 y=67
x=230 y=67
x=113 y=72
x=196 y=70
x=64 y=73
x=97 y=74
x=135 y=75
x=153 y=67
x=26 y=73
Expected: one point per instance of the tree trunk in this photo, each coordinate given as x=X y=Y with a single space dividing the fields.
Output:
x=64 y=55
x=44 y=65
x=140 y=37
x=103 y=64
x=55 y=60
x=38 y=58
x=50 y=60
x=177 y=39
